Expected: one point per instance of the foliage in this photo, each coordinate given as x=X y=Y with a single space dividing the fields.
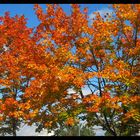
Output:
x=39 y=67
x=14 y=48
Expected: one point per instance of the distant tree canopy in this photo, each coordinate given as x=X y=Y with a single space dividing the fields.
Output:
x=76 y=130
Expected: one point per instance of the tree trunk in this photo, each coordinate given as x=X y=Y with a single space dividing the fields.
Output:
x=14 y=127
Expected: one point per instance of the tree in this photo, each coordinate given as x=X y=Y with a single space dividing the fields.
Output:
x=102 y=56
x=103 y=60
x=15 y=38
x=76 y=130
x=118 y=101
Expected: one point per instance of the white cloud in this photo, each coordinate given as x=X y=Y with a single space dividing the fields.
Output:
x=99 y=131
x=102 y=12
x=85 y=91
x=30 y=131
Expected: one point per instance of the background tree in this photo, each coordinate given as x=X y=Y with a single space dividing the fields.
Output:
x=15 y=39
x=76 y=130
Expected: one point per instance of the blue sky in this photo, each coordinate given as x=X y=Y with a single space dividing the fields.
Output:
x=27 y=10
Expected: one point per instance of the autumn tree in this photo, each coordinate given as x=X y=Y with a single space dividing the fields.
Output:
x=103 y=56
x=67 y=52
x=53 y=76
x=117 y=70
x=15 y=49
